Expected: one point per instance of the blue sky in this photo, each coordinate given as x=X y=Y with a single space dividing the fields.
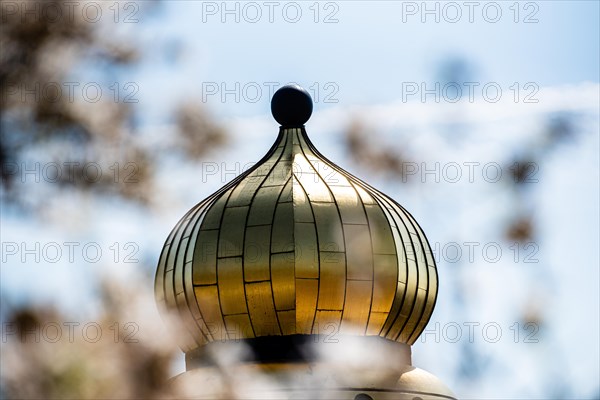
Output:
x=369 y=52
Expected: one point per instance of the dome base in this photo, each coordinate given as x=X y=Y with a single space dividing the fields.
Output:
x=355 y=368
x=308 y=381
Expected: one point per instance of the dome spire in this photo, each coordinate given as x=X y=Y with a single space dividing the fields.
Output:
x=291 y=106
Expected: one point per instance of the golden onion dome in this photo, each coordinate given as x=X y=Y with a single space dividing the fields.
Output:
x=297 y=246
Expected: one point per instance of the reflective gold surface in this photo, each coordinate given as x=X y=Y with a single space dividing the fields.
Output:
x=297 y=245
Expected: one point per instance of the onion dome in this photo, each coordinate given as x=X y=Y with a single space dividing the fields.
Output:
x=297 y=246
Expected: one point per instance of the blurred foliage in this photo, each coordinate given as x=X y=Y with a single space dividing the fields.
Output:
x=198 y=133
x=40 y=122
x=38 y=58
x=45 y=354
x=379 y=158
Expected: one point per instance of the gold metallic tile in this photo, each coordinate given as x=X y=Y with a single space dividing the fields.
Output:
x=329 y=227
x=306 y=304
x=281 y=173
x=307 y=253
x=351 y=209
x=188 y=322
x=398 y=312
x=262 y=309
x=189 y=254
x=231 y=240
x=188 y=288
x=282 y=276
x=356 y=308
x=212 y=219
x=288 y=147
x=423 y=276
x=413 y=275
x=415 y=316
x=301 y=167
x=402 y=318
x=181 y=224
x=178 y=280
x=359 y=252
x=412 y=242
x=419 y=250
x=204 y=269
x=364 y=195
x=172 y=234
x=189 y=226
x=329 y=175
x=300 y=140
x=162 y=262
x=386 y=278
x=381 y=234
x=170 y=263
x=312 y=183
x=231 y=285
x=404 y=237
x=169 y=289
x=286 y=195
x=308 y=153
x=179 y=262
x=195 y=221
x=376 y=320
x=332 y=281
x=257 y=252
x=244 y=191
x=208 y=301
x=429 y=255
x=302 y=208
x=427 y=249
x=283 y=228
x=238 y=327
x=262 y=209
x=265 y=168
x=408 y=234
x=327 y=323
x=430 y=302
x=275 y=155
x=189 y=291
x=433 y=280
x=283 y=138
x=296 y=149
x=311 y=157
x=398 y=234
x=400 y=256
x=390 y=214
x=287 y=321
x=431 y=298
x=314 y=187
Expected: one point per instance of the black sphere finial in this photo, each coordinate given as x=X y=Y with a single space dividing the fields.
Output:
x=291 y=106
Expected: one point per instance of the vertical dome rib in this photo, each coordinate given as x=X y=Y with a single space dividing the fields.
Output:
x=307 y=267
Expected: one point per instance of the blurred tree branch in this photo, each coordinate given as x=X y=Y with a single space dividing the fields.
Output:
x=38 y=111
